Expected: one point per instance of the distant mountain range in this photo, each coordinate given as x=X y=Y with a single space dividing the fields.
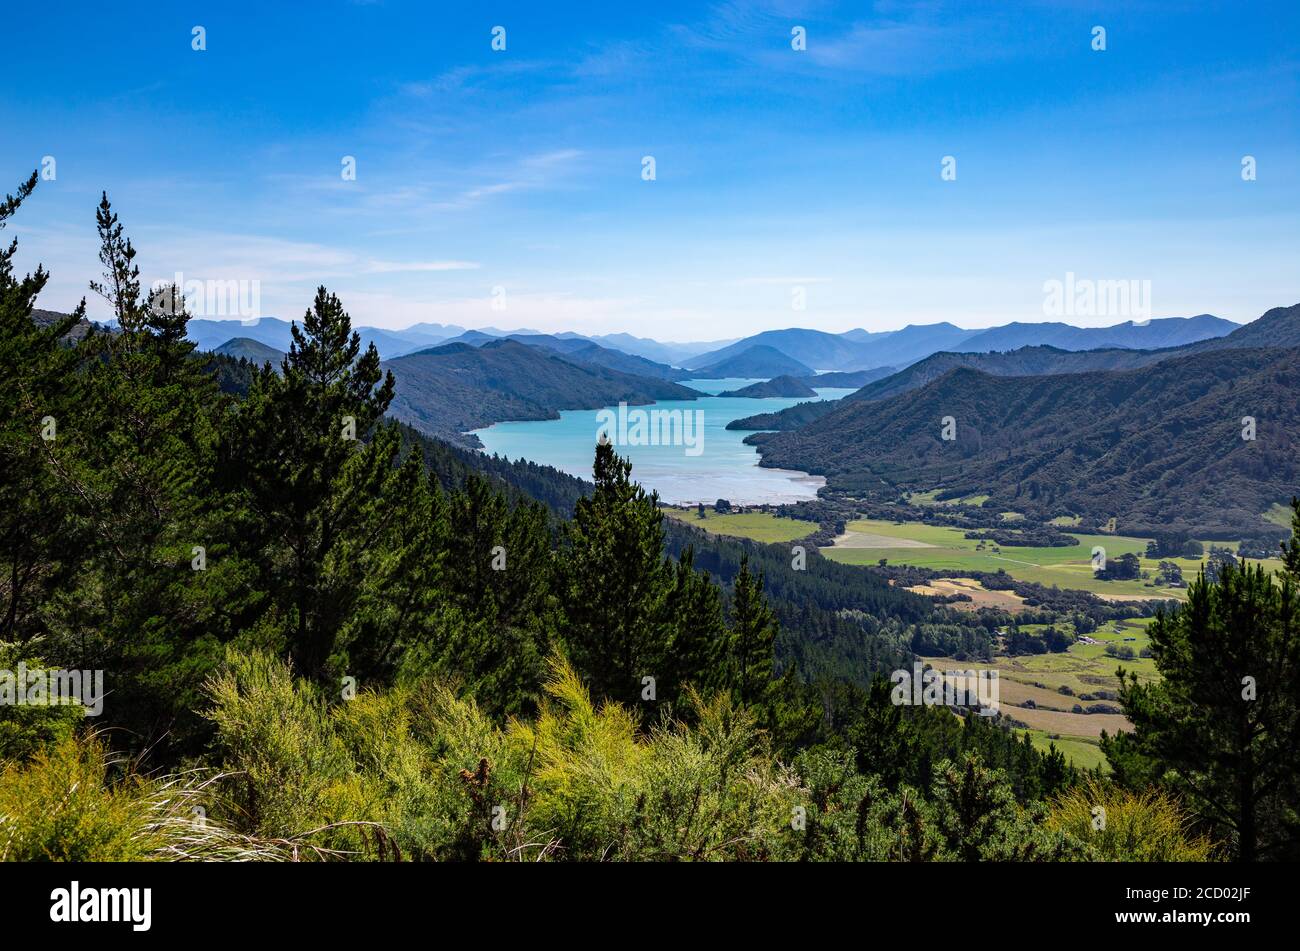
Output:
x=861 y=350
x=1279 y=327
x=794 y=351
x=1153 y=438
x=209 y=334
x=674 y=354
x=1148 y=335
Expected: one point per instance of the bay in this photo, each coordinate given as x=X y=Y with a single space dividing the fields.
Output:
x=723 y=468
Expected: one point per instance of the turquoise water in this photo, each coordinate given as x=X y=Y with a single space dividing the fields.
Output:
x=702 y=466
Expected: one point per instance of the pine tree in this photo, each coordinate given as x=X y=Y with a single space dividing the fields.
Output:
x=697 y=654
x=753 y=632
x=1222 y=725
x=1291 y=547
x=316 y=473
x=398 y=553
x=38 y=545
x=615 y=584
x=499 y=569
x=132 y=465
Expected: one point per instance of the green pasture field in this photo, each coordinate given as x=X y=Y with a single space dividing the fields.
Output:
x=1082 y=752
x=759 y=526
x=1083 y=669
x=1066 y=567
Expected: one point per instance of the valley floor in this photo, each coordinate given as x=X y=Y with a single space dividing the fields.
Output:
x=1047 y=694
x=1044 y=693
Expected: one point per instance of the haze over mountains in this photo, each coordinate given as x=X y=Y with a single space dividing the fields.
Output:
x=862 y=350
x=814 y=349
x=1142 y=433
x=1153 y=438
x=1279 y=327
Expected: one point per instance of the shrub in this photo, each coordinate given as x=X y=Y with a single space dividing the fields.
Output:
x=1138 y=826
x=73 y=802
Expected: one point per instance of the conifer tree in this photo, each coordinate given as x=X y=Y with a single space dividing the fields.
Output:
x=753 y=632
x=38 y=544
x=316 y=471
x=1222 y=725
x=615 y=584
x=499 y=567
x=1291 y=547
x=697 y=654
x=131 y=467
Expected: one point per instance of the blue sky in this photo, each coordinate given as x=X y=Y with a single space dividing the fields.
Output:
x=521 y=169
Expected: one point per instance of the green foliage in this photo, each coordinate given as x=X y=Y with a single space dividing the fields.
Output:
x=1121 y=825
x=749 y=642
x=27 y=729
x=312 y=493
x=1221 y=726
x=972 y=815
x=619 y=591
x=36 y=538
x=443 y=781
x=76 y=802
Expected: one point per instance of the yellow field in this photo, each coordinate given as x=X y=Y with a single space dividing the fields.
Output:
x=980 y=597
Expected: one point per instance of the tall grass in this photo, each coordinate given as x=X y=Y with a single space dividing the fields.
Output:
x=419 y=772
x=76 y=802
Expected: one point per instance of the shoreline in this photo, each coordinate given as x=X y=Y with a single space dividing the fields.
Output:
x=677 y=488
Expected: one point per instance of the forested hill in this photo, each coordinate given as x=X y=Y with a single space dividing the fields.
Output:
x=815 y=637
x=450 y=389
x=48 y=318
x=1158 y=447
x=1279 y=327
x=520 y=479
x=849 y=377
x=1027 y=361
x=757 y=361
x=584 y=351
x=780 y=386
x=252 y=350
